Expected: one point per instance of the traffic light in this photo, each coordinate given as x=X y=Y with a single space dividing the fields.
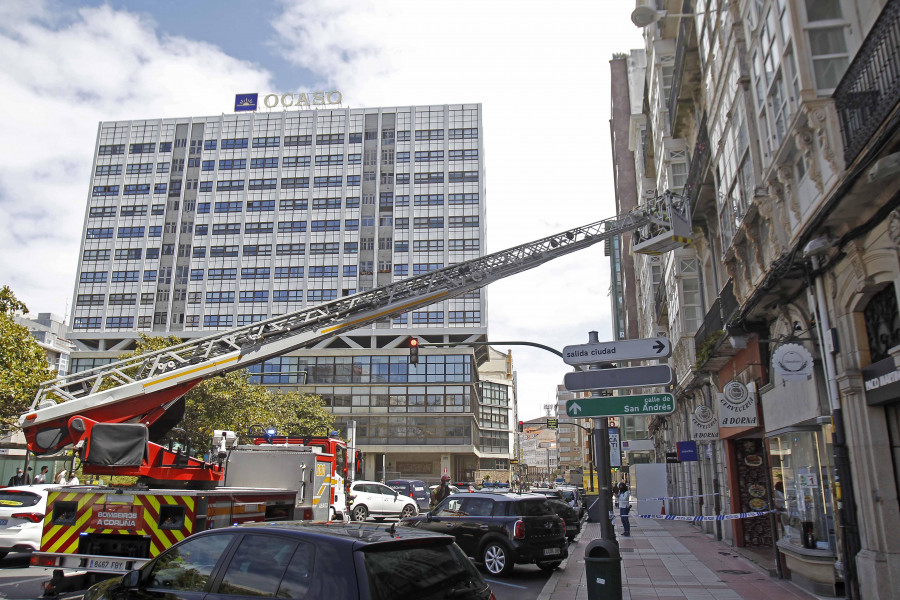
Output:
x=413 y=343
x=521 y=426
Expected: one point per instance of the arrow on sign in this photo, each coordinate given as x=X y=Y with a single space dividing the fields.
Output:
x=574 y=409
x=659 y=346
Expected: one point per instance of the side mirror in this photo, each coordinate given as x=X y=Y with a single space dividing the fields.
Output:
x=131 y=579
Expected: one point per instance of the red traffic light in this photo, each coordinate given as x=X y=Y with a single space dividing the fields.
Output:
x=413 y=342
x=413 y=350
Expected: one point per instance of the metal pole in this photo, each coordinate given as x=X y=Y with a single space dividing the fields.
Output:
x=601 y=458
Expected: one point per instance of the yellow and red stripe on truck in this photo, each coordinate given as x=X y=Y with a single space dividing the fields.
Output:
x=164 y=519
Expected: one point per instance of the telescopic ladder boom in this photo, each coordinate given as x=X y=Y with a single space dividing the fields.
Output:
x=141 y=388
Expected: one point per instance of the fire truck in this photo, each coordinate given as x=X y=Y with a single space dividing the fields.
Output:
x=115 y=414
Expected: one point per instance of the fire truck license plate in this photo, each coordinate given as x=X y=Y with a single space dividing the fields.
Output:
x=114 y=565
x=551 y=551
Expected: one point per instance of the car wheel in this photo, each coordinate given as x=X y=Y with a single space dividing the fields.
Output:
x=549 y=566
x=408 y=511
x=497 y=559
x=360 y=513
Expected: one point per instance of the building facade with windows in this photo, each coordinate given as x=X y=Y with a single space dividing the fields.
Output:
x=207 y=223
x=779 y=123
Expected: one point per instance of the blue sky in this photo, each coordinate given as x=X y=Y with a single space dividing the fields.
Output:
x=540 y=70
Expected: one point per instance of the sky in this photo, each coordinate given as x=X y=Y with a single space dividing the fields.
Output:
x=540 y=71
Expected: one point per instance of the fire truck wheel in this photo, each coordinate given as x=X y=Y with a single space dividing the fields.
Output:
x=360 y=513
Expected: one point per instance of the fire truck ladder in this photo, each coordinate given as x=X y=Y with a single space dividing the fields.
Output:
x=141 y=388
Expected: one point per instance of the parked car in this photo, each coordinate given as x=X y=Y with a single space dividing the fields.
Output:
x=413 y=488
x=499 y=529
x=568 y=514
x=370 y=498
x=22 y=510
x=338 y=561
x=573 y=498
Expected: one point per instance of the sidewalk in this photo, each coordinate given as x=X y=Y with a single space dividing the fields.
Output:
x=671 y=559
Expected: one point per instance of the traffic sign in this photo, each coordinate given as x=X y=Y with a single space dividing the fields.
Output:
x=623 y=377
x=584 y=354
x=552 y=423
x=641 y=404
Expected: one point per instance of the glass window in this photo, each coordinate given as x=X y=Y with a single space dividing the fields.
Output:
x=261 y=562
x=187 y=567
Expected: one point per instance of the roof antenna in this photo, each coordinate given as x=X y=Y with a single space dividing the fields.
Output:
x=392 y=530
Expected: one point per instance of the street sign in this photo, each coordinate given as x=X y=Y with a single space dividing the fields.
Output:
x=584 y=354
x=552 y=423
x=641 y=404
x=625 y=377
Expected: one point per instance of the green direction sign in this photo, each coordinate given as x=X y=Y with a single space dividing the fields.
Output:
x=614 y=406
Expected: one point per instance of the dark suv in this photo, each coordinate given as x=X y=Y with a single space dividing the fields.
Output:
x=500 y=530
x=338 y=561
x=415 y=489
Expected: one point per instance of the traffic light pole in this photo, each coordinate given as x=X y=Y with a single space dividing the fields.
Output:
x=600 y=437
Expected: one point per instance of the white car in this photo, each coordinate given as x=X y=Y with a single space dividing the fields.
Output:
x=22 y=510
x=370 y=498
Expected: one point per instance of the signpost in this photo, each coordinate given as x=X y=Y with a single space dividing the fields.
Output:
x=642 y=404
x=648 y=348
x=619 y=378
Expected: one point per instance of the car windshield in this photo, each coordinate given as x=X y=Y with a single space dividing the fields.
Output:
x=532 y=508
x=14 y=499
x=422 y=572
x=569 y=495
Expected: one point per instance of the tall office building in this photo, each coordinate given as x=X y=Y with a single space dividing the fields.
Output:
x=207 y=223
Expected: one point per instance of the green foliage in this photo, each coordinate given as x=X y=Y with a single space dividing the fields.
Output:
x=23 y=363
x=232 y=402
x=706 y=349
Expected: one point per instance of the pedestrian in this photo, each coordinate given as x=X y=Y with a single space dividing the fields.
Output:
x=17 y=479
x=42 y=476
x=61 y=477
x=74 y=480
x=441 y=491
x=624 y=499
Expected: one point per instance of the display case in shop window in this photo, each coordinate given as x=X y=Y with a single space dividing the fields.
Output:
x=800 y=460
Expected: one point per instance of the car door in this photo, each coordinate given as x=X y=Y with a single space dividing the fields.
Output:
x=445 y=516
x=474 y=521
x=392 y=501
x=182 y=572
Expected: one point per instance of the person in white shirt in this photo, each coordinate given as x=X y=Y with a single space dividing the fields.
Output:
x=42 y=476
x=624 y=499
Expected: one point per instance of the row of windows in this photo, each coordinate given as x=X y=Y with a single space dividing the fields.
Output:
x=363 y=369
x=293 y=141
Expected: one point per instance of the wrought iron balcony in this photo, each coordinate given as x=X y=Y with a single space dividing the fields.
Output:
x=870 y=89
x=715 y=323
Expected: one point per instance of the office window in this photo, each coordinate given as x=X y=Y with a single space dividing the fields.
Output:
x=222 y=274
x=328 y=181
x=469 y=133
x=149 y=148
x=125 y=276
x=330 y=160
x=219 y=321
x=292 y=204
x=199 y=252
x=234 y=144
x=464 y=316
x=223 y=251
x=429 y=200
x=428 y=222
x=423 y=178
x=263 y=184
x=257 y=228
x=165 y=146
x=290 y=249
x=258 y=250
x=352 y=180
x=136 y=189
x=428 y=317
x=349 y=270
x=422 y=268
x=130 y=232
x=209 y=165
x=250 y=319
x=90 y=300
x=232 y=164
x=260 y=205
x=105 y=190
x=197 y=274
x=106 y=170
x=209 y=144
x=219 y=297
x=229 y=207
x=131 y=253
x=291 y=226
x=93 y=277
x=355 y=138
x=385 y=221
x=327 y=139
x=99 y=233
x=111 y=150
x=288 y=272
x=226 y=229
x=401 y=223
x=469 y=245
x=464 y=221
x=288 y=296
x=463 y=176
x=323 y=271
x=402 y=178
x=290 y=183
x=151 y=253
x=119 y=322
x=154 y=231
x=139 y=168
x=401 y=246
x=326 y=203
x=354 y=159
x=430 y=156
x=122 y=299
x=469 y=154
x=230 y=186
x=86 y=323
x=295 y=161
x=254 y=296
x=267 y=142
x=401 y=270
x=456 y=199
x=297 y=140
x=351 y=225
x=327 y=225
x=423 y=135
x=402 y=157
x=255 y=273
x=351 y=247
x=428 y=245
x=326 y=248
x=321 y=295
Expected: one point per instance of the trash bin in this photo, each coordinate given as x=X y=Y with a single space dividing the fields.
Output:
x=603 y=570
x=593 y=507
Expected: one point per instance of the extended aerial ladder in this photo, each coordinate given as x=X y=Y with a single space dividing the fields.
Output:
x=141 y=389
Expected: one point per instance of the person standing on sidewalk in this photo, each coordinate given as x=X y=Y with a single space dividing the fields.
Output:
x=624 y=506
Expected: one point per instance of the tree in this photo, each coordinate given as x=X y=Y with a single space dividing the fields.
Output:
x=232 y=402
x=23 y=363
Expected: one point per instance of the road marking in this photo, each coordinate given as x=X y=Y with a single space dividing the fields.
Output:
x=493 y=581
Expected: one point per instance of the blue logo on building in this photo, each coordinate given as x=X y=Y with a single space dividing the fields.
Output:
x=245 y=102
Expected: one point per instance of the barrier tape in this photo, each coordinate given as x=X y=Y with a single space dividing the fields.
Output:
x=680 y=497
x=728 y=517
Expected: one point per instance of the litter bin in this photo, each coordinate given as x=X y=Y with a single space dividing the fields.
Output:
x=603 y=570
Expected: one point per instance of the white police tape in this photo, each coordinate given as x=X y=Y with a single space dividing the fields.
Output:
x=728 y=517
x=679 y=497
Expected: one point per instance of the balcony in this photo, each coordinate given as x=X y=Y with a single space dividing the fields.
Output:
x=710 y=342
x=699 y=166
x=870 y=89
x=686 y=74
x=660 y=302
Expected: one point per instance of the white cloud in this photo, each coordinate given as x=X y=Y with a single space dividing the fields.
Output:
x=61 y=76
x=541 y=72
